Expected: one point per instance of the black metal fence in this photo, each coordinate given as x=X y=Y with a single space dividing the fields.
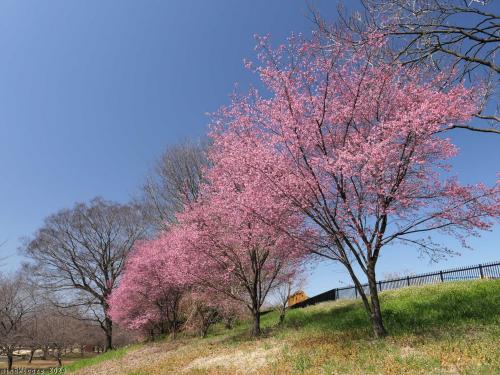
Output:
x=480 y=271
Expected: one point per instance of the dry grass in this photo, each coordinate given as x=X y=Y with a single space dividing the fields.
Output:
x=446 y=329
x=35 y=364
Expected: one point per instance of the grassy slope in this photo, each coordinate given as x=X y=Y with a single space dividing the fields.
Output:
x=449 y=328
x=112 y=355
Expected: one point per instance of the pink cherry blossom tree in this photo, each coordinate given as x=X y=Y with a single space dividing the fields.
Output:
x=233 y=247
x=149 y=295
x=353 y=142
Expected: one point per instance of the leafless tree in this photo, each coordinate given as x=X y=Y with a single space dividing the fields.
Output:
x=398 y=274
x=78 y=255
x=3 y=258
x=284 y=291
x=57 y=332
x=174 y=182
x=16 y=305
x=202 y=315
x=52 y=332
x=447 y=35
x=121 y=336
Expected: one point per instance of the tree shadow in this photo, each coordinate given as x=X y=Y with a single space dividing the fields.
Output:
x=411 y=311
x=425 y=313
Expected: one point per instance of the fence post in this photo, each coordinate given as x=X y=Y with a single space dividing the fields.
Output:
x=441 y=275
x=379 y=286
x=355 y=293
x=481 y=271
x=408 y=280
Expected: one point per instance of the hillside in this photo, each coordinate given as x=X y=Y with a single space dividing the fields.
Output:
x=451 y=328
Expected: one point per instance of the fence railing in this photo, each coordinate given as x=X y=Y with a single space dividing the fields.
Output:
x=480 y=271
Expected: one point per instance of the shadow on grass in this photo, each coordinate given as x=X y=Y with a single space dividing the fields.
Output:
x=425 y=308
x=336 y=318
x=410 y=310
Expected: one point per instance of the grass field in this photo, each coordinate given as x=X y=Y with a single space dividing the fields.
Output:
x=451 y=328
x=35 y=364
x=39 y=364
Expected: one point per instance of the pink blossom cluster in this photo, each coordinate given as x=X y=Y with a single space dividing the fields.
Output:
x=348 y=137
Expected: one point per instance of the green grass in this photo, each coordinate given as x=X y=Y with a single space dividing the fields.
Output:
x=408 y=310
x=112 y=354
x=435 y=329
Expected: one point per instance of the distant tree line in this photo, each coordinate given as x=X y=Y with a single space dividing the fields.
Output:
x=30 y=323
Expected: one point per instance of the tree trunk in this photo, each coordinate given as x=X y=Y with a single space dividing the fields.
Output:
x=173 y=330
x=372 y=306
x=282 y=316
x=163 y=328
x=58 y=357
x=376 y=314
x=360 y=289
x=109 y=334
x=204 y=330
x=44 y=353
x=256 y=324
x=228 y=323
x=32 y=353
x=10 y=360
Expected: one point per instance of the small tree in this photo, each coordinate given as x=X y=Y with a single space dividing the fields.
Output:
x=284 y=290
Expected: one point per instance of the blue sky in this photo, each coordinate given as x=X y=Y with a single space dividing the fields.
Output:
x=91 y=92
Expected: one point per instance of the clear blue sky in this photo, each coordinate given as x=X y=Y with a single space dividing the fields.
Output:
x=91 y=92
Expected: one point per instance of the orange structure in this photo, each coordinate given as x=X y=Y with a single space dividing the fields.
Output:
x=297 y=297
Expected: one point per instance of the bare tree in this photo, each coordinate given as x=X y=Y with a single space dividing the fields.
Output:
x=398 y=274
x=2 y=258
x=79 y=254
x=16 y=305
x=459 y=36
x=207 y=316
x=52 y=332
x=285 y=290
x=57 y=332
x=174 y=182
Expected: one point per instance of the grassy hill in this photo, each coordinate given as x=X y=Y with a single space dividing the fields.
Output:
x=451 y=328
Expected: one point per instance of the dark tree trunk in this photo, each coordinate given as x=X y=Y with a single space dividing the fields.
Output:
x=256 y=324
x=32 y=353
x=173 y=329
x=109 y=334
x=372 y=304
x=360 y=290
x=44 y=353
x=58 y=357
x=152 y=334
x=228 y=324
x=204 y=330
x=10 y=360
x=163 y=328
x=282 y=316
x=376 y=314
